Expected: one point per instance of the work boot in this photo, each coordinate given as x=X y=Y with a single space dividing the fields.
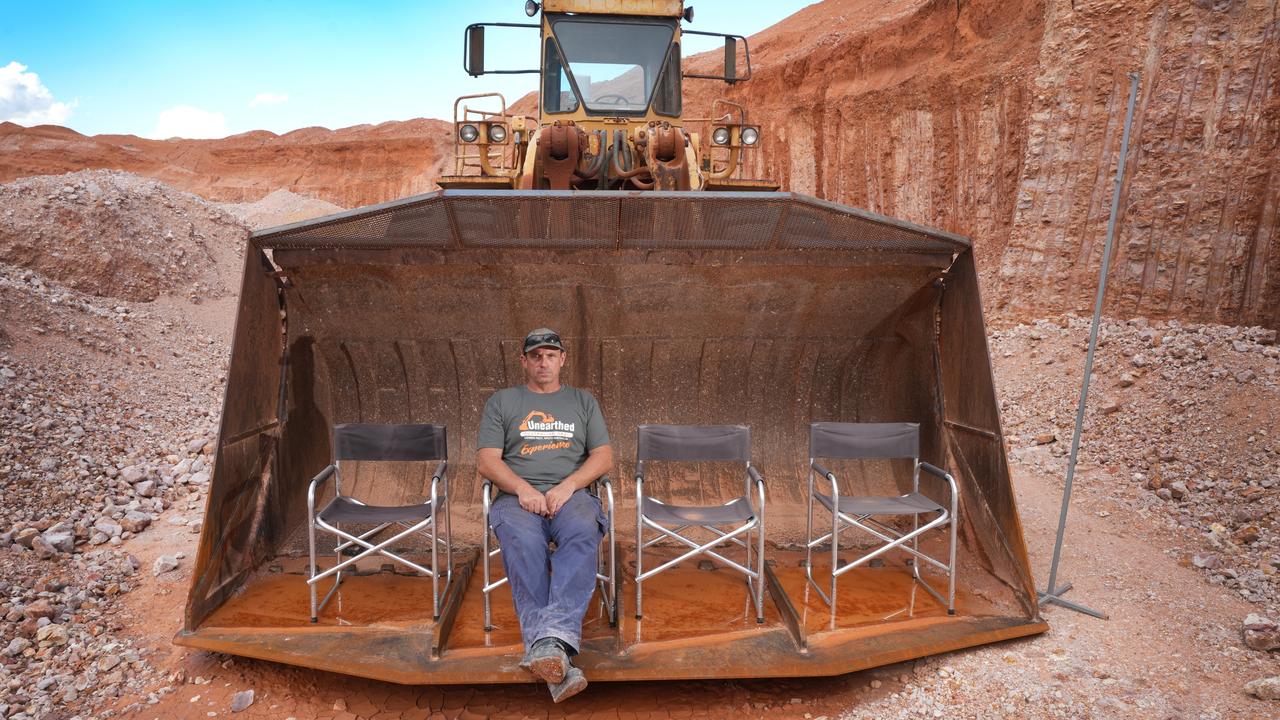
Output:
x=574 y=682
x=548 y=661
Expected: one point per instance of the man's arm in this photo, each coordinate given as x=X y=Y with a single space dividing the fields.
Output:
x=599 y=462
x=490 y=465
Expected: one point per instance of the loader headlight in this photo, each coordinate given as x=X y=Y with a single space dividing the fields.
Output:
x=468 y=133
x=530 y=8
x=497 y=133
x=720 y=136
x=750 y=136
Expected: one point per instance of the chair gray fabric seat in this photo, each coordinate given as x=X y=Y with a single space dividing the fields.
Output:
x=736 y=511
x=380 y=443
x=345 y=510
x=737 y=517
x=909 y=504
x=884 y=441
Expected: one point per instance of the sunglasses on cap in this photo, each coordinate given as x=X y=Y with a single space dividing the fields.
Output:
x=548 y=339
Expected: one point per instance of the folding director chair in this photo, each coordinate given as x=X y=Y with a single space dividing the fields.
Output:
x=384 y=443
x=701 y=443
x=605 y=567
x=877 y=441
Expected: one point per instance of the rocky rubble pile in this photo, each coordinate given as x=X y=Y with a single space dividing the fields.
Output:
x=114 y=234
x=58 y=647
x=1181 y=423
x=82 y=469
x=279 y=208
x=108 y=409
x=80 y=463
x=36 y=310
x=93 y=448
x=34 y=305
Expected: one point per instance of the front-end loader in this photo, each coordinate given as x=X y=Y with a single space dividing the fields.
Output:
x=686 y=293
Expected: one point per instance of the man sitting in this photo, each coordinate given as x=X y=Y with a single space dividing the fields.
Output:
x=542 y=443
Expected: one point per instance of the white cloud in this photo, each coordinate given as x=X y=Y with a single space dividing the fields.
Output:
x=26 y=101
x=266 y=98
x=189 y=122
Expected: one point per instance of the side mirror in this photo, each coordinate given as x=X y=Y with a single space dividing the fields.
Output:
x=473 y=47
x=475 y=50
x=730 y=59
x=730 y=73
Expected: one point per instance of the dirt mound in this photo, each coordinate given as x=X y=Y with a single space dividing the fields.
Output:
x=1180 y=427
x=280 y=208
x=115 y=235
x=106 y=409
x=354 y=166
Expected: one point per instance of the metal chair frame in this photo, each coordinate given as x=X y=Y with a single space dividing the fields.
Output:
x=842 y=521
x=606 y=565
x=753 y=527
x=438 y=498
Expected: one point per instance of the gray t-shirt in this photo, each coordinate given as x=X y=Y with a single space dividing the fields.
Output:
x=543 y=436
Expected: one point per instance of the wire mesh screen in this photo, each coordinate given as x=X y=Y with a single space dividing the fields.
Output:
x=813 y=226
x=426 y=225
x=422 y=221
x=604 y=220
x=559 y=221
x=675 y=222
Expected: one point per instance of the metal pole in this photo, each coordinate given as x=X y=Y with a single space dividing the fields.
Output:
x=1053 y=592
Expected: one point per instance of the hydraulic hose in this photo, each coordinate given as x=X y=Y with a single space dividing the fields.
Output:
x=597 y=163
x=620 y=145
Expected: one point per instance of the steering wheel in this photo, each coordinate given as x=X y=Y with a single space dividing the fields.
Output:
x=614 y=99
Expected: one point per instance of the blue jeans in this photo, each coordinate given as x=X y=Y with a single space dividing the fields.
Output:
x=551 y=589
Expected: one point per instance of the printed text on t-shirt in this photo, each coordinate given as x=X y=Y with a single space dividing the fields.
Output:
x=541 y=426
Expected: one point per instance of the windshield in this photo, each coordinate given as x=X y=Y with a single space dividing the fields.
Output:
x=615 y=65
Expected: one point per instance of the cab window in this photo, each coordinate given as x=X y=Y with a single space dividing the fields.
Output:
x=557 y=93
x=666 y=99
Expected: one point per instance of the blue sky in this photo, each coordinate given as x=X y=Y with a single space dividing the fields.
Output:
x=207 y=69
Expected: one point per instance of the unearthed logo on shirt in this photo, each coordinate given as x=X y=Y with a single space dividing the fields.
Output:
x=542 y=432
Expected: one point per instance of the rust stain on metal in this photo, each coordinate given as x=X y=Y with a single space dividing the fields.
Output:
x=560 y=146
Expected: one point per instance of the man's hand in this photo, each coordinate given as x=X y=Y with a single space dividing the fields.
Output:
x=490 y=465
x=558 y=496
x=533 y=501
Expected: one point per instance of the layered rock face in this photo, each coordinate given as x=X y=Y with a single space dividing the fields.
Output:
x=1002 y=121
x=997 y=119
x=910 y=109
x=1197 y=231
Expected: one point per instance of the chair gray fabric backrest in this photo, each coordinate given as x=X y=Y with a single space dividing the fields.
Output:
x=360 y=441
x=864 y=441
x=703 y=443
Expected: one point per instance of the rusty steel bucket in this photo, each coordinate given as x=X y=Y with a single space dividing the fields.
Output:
x=772 y=310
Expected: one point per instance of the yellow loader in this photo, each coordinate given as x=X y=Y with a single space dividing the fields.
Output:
x=687 y=293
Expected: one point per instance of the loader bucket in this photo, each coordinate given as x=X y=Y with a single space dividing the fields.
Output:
x=771 y=310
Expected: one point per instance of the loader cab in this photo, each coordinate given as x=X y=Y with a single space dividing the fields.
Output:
x=610 y=66
x=610 y=115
